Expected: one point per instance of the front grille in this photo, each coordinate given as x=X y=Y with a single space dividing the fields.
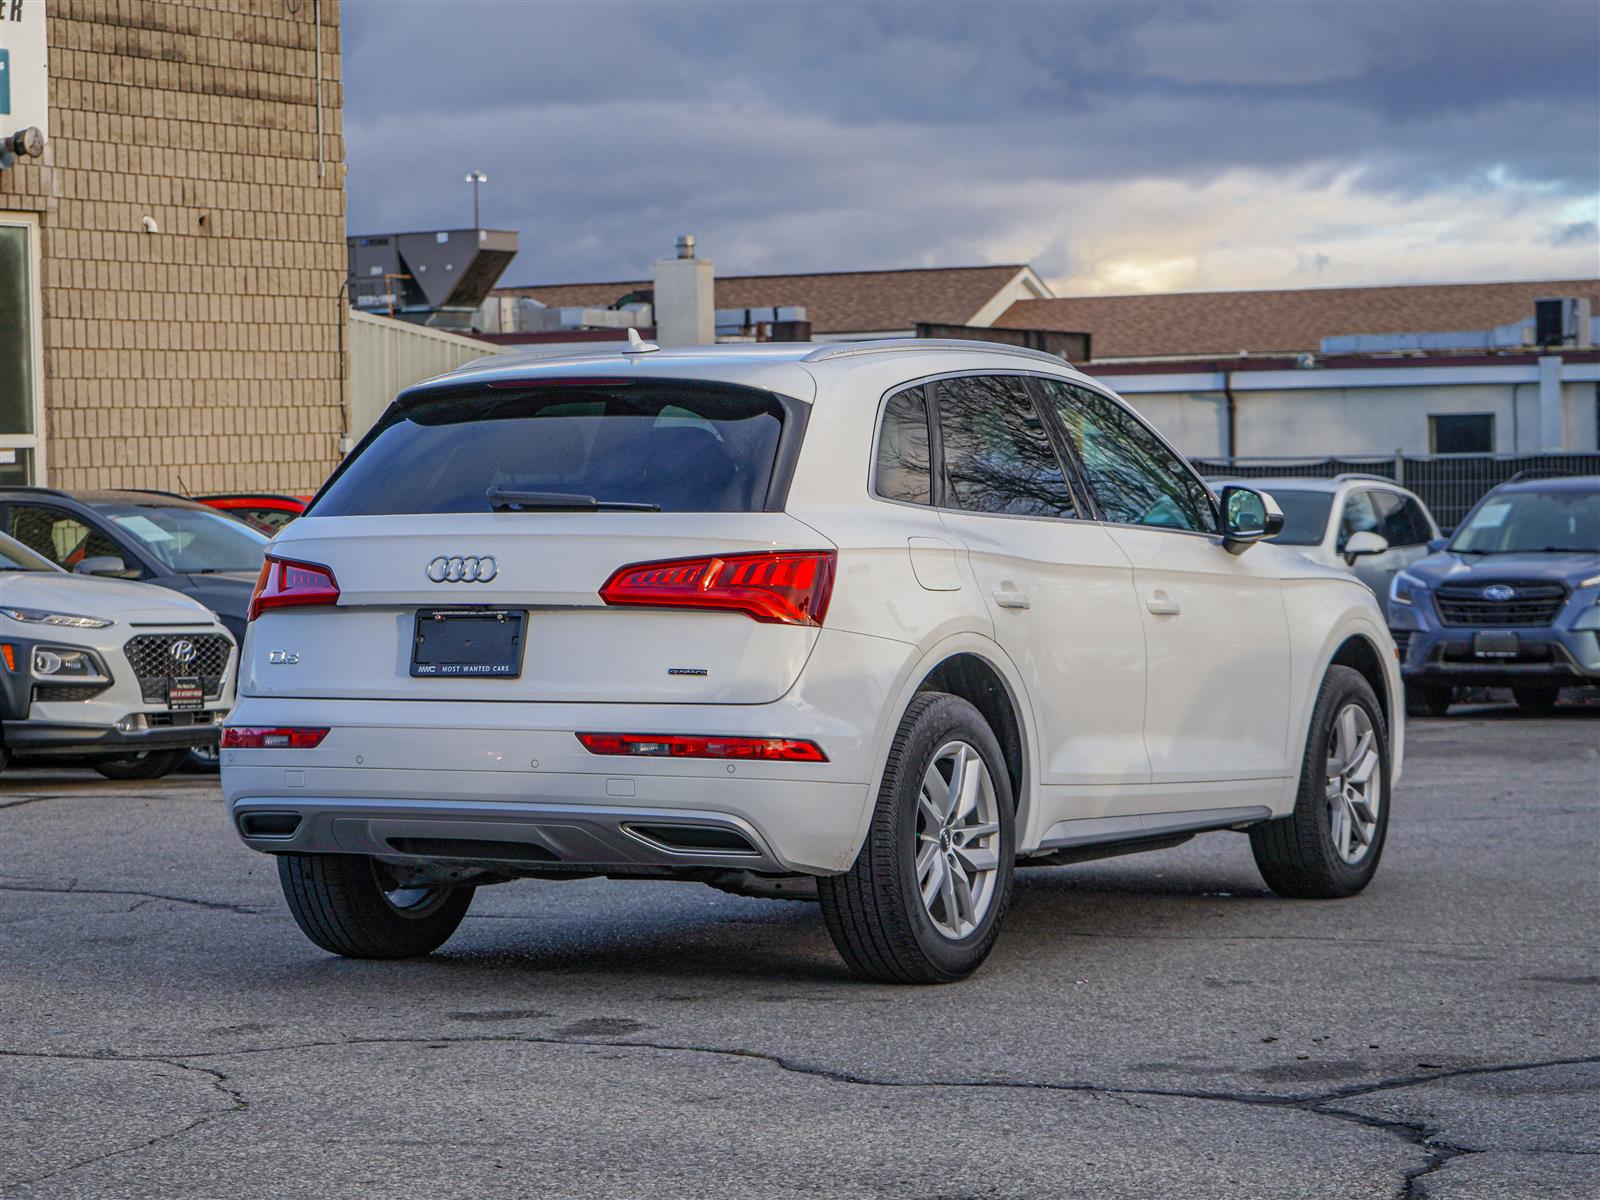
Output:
x=150 y=655
x=1532 y=602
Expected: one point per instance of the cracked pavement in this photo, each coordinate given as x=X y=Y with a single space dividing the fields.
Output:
x=1152 y=1026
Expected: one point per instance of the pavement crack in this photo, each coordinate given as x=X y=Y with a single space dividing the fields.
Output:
x=218 y=1081
x=72 y=890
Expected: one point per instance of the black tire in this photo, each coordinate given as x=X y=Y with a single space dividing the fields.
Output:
x=1536 y=699
x=152 y=764
x=1423 y=700
x=340 y=903
x=874 y=911
x=203 y=760
x=1296 y=854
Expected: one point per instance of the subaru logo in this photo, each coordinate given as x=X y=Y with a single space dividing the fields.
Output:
x=182 y=651
x=459 y=568
x=1499 y=591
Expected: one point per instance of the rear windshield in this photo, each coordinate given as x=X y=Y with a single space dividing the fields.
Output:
x=680 y=447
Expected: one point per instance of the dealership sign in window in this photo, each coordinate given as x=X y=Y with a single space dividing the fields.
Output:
x=24 y=68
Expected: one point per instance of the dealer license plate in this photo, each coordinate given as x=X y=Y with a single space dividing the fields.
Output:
x=471 y=642
x=1495 y=645
x=185 y=693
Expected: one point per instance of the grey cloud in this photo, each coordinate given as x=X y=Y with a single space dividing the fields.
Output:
x=848 y=135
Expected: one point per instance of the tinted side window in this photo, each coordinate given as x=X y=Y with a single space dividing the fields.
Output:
x=59 y=536
x=1134 y=477
x=902 y=471
x=1421 y=529
x=1395 y=520
x=997 y=455
x=1360 y=516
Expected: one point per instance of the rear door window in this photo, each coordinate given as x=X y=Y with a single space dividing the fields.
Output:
x=997 y=455
x=58 y=535
x=902 y=470
x=1396 y=521
x=679 y=446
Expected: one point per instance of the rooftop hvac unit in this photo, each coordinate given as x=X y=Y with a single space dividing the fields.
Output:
x=1562 y=321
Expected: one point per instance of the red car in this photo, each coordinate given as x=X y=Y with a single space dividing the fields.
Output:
x=267 y=512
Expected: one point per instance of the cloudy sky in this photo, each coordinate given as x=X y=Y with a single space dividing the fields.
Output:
x=1119 y=147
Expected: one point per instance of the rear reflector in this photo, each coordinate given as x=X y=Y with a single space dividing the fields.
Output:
x=284 y=583
x=788 y=587
x=255 y=737
x=664 y=745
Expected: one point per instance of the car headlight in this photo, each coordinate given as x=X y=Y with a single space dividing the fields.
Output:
x=38 y=616
x=63 y=662
x=1404 y=588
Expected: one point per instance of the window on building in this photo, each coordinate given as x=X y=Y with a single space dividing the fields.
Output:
x=997 y=455
x=902 y=471
x=1136 y=479
x=19 y=398
x=1461 y=433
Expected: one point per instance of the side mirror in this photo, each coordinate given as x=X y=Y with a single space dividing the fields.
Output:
x=1363 y=543
x=101 y=564
x=1248 y=516
x=1438 y=544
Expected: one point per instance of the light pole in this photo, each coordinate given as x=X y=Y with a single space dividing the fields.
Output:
x=475 y=178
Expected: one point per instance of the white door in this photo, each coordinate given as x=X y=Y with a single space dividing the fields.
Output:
x=1217 y=639
x=1059 y=590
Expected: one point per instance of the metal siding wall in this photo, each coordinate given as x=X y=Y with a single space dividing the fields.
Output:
x=387 y=356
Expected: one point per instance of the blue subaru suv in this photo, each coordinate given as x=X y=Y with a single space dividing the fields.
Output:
x=1511 y=600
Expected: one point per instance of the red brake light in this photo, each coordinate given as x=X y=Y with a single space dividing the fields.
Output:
x=284 y=583
x=664 y=745
x=789 y=587
x=255 y=737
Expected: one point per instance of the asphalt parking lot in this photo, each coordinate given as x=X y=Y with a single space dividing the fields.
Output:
x=1156 y=1026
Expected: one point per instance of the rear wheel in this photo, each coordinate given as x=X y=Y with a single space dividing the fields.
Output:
x=353 y=905
x=1424 y=700
x=924 y=901
x=151 y=764
x=1330 y=845
x=1536 y=699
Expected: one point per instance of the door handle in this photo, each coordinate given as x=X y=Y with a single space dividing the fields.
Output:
x=1162 y=605
x=1007 y=596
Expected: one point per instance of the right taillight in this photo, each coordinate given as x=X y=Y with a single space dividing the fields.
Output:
x=285 y=583
x=789 y=587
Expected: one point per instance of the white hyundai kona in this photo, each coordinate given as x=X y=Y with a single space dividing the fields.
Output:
x=875 y=623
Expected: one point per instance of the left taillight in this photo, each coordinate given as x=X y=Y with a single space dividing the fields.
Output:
x=257 y=737
x=286 y=583
x=787 y=587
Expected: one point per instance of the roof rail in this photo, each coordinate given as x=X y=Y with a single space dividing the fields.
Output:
x=40 y=489
x=1540 y=473
x=1343 y=475
x=885 y=345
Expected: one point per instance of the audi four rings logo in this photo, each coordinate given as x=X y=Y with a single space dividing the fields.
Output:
x=463 y=568
x=182 y=651
x=1498 y=591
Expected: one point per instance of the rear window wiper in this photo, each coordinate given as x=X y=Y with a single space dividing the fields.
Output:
x=511 y=500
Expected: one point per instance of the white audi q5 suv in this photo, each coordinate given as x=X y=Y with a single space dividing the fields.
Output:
x=874 y=622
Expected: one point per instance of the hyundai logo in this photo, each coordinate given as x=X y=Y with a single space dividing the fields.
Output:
x=458 y=568
x=182 y=651
x=1499 y=591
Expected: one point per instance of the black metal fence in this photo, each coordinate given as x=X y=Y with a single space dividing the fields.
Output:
x=1449 y=484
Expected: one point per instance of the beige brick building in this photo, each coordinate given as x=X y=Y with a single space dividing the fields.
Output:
x=178 y=251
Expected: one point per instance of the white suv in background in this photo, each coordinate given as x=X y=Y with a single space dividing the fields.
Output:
x=128 y=676
x=881 y=620
x=1361 y=523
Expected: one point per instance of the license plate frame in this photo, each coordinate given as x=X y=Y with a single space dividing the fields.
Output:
x=1496 y=644
x=185 y=693
x=452 y=654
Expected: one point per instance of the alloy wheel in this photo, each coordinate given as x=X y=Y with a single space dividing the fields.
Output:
x=1355 y=785
x=958 y=840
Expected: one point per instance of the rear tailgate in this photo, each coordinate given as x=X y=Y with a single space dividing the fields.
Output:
x=550 y=565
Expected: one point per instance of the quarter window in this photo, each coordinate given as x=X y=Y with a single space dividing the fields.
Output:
x=902 y=471
x=997 y=455
x=1135 y=477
